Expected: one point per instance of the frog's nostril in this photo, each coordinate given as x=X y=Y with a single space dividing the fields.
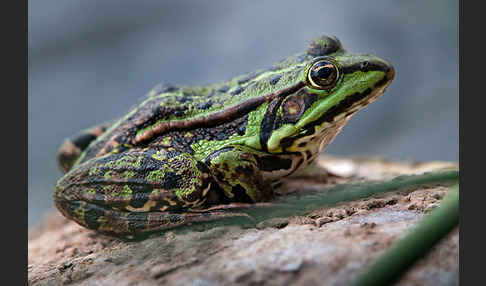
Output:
x=364 y=65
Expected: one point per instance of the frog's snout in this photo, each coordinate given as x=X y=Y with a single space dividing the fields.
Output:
x=381 y=65
x=390 y=73
x=388 y=68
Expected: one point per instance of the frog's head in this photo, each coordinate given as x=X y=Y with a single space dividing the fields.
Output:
x=330 y=85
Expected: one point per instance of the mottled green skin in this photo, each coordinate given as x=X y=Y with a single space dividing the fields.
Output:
x=184 y=150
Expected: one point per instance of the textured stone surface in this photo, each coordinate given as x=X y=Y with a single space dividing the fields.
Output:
x=328 y=246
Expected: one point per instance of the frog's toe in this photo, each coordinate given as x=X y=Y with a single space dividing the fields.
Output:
x=67 y=155
x=72 y=147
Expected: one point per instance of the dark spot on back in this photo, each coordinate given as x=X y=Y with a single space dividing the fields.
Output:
x=205 y=105
x=223 y=131
x=224 y=88
x=253 y=85
x=178 y=113
x=173 y=153
x=182 y=99
x=237 y=91
x=274 y=80
x=248 y=77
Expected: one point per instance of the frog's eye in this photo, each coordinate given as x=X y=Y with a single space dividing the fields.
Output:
x=323 y=74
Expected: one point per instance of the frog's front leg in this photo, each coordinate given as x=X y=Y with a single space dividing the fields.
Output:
x=73 y=146
x=237 y=171
x=137 y=191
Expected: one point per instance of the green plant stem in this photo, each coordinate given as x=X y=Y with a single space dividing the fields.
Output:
x=305 y=203
x=416 y=243
x=299 y=205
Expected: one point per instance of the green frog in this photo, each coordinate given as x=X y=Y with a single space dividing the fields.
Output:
x=185 y=152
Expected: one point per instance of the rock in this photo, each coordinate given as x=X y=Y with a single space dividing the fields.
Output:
x=328 y=246
x=323 y=220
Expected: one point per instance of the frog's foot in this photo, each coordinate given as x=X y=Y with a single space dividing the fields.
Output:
x=236 y=170
x=122 y=223
x=139 y=190
x=72 y=147
x=319 y=174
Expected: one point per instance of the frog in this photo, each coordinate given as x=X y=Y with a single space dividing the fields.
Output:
x=186 y=154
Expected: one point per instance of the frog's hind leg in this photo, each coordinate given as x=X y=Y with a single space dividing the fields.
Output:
x=123 y=223
x=72 y=147
x=139 y=190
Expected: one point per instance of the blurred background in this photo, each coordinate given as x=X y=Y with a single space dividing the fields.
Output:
x=90 y=61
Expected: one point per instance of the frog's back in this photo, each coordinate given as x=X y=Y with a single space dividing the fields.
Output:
x=188 y=102
x=169 y=107
x=213 y=109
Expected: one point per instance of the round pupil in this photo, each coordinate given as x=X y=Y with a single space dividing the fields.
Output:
x=323 y=73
